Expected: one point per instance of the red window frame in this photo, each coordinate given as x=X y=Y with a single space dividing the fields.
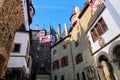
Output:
x=65 y=46
x=99 y=29
x=79 y=58
x=76 y=43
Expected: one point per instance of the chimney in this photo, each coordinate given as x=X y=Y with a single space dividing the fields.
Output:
x=77 y=10
x=66 y=29
x=36 y=27
x=59 y=31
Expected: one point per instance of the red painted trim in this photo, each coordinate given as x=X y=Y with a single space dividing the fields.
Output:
x=84 y=9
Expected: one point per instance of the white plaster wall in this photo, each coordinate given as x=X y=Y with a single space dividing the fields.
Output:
x=18 y=59
x=113 y=30
x=24 y=3
x=22 y=38
x=17 y=62
x=116 y=5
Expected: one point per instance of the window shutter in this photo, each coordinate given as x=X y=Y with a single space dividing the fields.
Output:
x=61 y=62
x=66 y=61
x=81 y=58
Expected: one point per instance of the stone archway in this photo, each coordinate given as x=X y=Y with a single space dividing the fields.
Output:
x=104 y=66
x=114 y=55
x=102 y=53
x=112 y=49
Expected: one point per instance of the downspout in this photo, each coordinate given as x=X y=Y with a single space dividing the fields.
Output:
x=72 y=59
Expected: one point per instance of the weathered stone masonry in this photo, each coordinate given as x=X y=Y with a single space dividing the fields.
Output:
x=11 y=17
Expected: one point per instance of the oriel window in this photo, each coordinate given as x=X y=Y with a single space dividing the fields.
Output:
x=99 y=29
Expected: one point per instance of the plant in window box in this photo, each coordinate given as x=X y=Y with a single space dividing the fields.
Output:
x=101 y=41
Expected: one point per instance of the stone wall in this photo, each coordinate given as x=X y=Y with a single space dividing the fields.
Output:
x=11 y=17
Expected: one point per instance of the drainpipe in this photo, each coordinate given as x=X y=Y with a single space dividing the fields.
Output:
x=72 y=59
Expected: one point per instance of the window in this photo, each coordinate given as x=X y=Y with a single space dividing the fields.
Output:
x=83 y=75
x=56 y=65
x=94 y=35
x=62 y=77
x=79 y=58
x=76 y=43
x=102 y=25
x=55 y=78
x=78 y=77
x=54 y=52
x=64 y=61
x=65 y=46
x=99 y=29
x=17 y=47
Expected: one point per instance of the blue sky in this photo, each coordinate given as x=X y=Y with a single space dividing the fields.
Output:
x=53 y=12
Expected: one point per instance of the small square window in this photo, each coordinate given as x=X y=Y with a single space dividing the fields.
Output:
x=65 y=46
x=17 y=48
x=54 y=52
x=79 y=58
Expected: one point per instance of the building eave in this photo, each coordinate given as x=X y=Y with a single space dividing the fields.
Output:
x=80 y=15
x=60 y=41
x=94 y=17
x=72 y=26
x=83 y=10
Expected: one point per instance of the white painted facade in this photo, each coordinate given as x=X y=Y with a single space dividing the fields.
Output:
x=23 y=39
x=113 y=29
x=20 y=59
x=115 y=4
x=113 y=7
x=105 y=55
x=25 y=10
